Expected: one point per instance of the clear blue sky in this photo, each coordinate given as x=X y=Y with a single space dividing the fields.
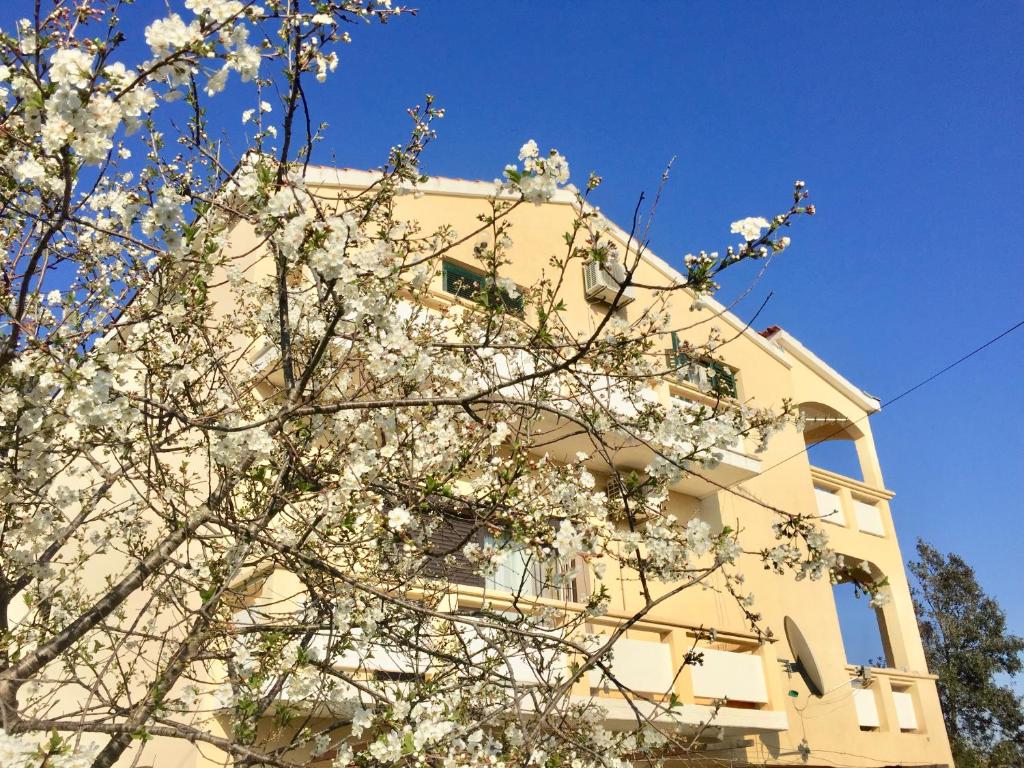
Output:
x=906 y=120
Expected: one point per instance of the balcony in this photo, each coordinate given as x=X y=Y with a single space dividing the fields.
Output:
x=886 y=700
x=564 y=441
x=732 y=693
x=734 y=464
x=851 y=504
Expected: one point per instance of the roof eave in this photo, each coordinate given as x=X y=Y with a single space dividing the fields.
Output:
x=791 y=345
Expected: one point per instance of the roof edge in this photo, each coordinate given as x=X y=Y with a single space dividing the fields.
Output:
x=443 y=185
x=434 y=185
x=790 y=344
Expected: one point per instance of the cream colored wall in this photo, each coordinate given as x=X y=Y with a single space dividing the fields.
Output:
x=766 y=377
x=829 y=725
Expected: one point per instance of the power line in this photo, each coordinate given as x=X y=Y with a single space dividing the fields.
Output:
x=898 y=397
x=949 y=367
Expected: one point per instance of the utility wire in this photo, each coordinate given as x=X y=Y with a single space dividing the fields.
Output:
x=898 y=397
x=949 y=367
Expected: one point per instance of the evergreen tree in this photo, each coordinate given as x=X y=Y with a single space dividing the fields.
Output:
x=967 y=645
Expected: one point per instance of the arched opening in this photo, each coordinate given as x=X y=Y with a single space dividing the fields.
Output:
x=831 y=438
x=866 y=638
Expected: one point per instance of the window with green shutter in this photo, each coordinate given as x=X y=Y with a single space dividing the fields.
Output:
x=467 y=284
x=708 y=375
x=461 y=281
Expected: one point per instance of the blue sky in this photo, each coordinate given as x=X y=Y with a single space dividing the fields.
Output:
x=905 y=120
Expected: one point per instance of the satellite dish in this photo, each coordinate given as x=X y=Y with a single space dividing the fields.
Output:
x=806 y=664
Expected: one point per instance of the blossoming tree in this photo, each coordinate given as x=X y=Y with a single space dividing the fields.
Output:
x=184 y=421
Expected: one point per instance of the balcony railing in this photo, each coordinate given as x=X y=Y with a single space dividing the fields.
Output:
x=731 y=691
x=887 y=701
x=625 y=451
x=849 y=503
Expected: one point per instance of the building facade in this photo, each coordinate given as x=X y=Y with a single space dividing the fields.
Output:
x=861 y=716
x=790 y=699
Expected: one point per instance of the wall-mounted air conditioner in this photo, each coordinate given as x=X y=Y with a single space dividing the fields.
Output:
x=601 y=282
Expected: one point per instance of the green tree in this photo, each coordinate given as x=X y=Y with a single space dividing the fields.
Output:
x=967 y=645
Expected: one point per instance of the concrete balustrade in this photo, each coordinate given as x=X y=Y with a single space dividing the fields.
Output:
x=888 y=700
x=851 y=504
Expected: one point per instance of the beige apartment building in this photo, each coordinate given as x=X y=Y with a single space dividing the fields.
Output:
x=793 y=700
x=877 y=716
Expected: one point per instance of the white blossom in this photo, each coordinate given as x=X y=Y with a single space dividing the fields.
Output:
x=170 y=34
x=30 y=171
x=398 y=518
x=70 y=66
x=750 y=227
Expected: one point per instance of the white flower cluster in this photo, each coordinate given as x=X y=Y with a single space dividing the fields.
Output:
x=71 y=67
x=165 y=217
x=540 y=177
x=691 y=434
x=75 y=113
x=750 y=227
x=170 y=34
x=241 y=443
x=218 y=10
x=33 y=751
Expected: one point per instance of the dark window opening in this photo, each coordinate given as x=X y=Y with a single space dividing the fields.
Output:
x=446 y=559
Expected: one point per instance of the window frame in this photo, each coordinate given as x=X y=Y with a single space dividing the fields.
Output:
x=532 y=577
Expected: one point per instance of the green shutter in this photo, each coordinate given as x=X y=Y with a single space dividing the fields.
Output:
x=461 y=281
x=514 y=306
x=721 y=378
x=467 y=284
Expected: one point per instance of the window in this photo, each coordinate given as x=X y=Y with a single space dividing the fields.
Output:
x=830 y=507
x=708 y=375
x=467 y=284
x=906 y=711
x=869 y=517
x=521 y=574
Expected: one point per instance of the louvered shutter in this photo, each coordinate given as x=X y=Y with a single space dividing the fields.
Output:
x=448 y=539
x=461 y=281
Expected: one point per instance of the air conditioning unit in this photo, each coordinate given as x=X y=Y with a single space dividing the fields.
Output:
x=601 y=282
